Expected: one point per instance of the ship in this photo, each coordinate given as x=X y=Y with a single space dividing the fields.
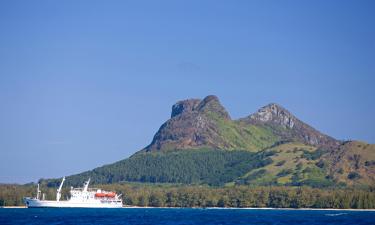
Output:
x=84 y=197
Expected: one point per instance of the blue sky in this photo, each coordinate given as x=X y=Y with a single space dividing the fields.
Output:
x=87 y=83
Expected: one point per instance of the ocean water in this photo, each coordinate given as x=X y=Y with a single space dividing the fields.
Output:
x=183 y=216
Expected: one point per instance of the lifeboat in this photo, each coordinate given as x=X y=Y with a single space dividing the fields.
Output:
x=100 y=195
x=110 y=194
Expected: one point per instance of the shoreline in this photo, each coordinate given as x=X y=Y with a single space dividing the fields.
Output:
x=221 y=208
x=248 y=208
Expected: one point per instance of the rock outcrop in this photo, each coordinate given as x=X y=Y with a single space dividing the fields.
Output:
x=190 y=126
x=288 y=127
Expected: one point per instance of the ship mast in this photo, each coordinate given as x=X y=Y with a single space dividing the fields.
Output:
x=58 y=194
x=37 y=192
x=86 y=185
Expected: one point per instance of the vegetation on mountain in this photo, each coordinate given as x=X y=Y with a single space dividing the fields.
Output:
x=204 y=166
x=293 y=164
x=351 y=163
x=286 y=164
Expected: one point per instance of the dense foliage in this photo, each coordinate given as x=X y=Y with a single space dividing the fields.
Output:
x=161 y=195
x=213 y=167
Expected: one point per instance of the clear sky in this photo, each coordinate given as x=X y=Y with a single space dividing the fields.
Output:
x=87 y=83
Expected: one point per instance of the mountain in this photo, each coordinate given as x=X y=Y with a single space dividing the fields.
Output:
x=196 y=123
x=192 y=125
x=201 y=144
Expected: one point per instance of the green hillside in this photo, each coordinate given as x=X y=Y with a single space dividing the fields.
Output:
x=285 y=164
x=293 y=164
x=237 y=135
x=212 y=167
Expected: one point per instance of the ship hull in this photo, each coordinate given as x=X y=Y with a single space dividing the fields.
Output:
x=36 y=203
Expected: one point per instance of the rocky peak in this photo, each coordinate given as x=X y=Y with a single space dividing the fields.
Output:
x=191 y=125
x=209 y=104
x=184 y=106
x=212 y=104
x=276 y=114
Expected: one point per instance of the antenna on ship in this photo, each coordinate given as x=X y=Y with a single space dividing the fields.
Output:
x=58 y=194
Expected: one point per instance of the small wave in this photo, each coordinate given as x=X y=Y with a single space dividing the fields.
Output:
x=335 y=214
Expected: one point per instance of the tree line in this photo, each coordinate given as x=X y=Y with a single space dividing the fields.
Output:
x=161 y=195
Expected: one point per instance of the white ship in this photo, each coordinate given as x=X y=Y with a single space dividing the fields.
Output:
x=80 y=198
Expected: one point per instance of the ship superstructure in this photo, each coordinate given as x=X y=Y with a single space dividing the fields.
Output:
x=84 y=197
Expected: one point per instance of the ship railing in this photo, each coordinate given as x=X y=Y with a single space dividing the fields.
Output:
x=89 y=189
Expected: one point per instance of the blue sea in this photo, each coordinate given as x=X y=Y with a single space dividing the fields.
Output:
x=183 y=216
